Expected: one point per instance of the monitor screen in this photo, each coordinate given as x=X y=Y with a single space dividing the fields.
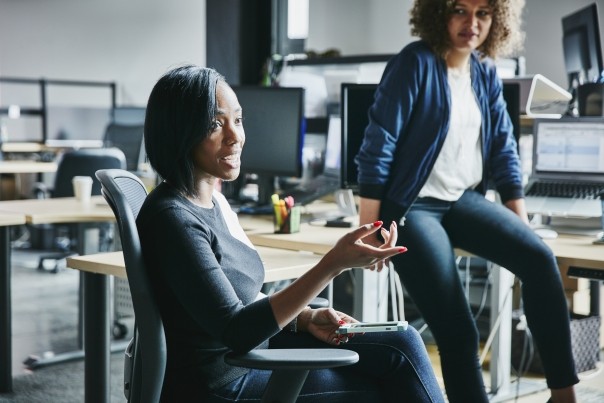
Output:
x=76 y=127
x=511 y=95
x=356 y=100
x=273 y=120
x=582 y=46
x=129 y=115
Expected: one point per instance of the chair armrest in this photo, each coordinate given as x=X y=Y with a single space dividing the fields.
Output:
x=296 y=358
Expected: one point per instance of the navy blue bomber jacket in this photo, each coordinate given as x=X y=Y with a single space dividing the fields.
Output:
x=408 y=123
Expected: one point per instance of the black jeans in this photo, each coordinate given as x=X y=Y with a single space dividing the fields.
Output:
x=431 y=230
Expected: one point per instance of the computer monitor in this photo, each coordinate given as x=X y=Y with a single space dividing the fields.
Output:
x=273 y=123
x=582 y=46
x=76 y=127
x=356 y=99
x=511 y=95
x=129 y=115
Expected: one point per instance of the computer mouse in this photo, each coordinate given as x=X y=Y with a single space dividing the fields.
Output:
x=546 y=233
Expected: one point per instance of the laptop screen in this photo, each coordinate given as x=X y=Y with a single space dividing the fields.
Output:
x=569 y=147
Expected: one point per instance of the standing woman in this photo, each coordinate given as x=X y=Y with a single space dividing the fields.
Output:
x=438 y=135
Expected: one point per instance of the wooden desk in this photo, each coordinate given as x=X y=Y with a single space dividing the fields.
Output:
x=6 y=348
x=279 y=264
x=26 y=167
x=17 y=167
x=311 y=238
x=23 y=147
x=60 y=210
x=38 y=211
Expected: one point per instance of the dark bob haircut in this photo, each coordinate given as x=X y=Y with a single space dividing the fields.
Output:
x=180 y=112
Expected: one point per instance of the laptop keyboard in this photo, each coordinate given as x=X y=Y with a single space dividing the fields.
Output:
x=578 y=190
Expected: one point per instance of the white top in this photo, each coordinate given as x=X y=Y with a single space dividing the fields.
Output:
x=459 y=164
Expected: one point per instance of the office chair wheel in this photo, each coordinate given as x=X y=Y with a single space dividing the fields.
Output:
x=56 y=268
x=119 y=330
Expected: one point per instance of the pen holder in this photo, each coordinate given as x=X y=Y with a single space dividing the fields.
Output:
x=287 y=220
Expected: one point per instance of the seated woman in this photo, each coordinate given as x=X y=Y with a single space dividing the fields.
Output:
x=207 y=275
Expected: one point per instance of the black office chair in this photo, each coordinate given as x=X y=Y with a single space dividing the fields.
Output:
x=83 y=162
x=129 y=139
x=144 y=368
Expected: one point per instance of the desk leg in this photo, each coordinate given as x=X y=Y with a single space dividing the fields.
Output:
x=501 y=305
x=6 y=370
x=96 y=338
x=594 y=297
x=370 y=303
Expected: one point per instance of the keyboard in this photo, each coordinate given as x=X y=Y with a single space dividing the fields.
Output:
x=580 y=272
x=578 y=190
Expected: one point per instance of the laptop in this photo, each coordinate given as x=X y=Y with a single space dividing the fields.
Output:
x=568 y=168
x=329 y=180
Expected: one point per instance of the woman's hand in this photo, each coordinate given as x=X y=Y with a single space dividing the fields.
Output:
x=323 y=323
x=360 y=247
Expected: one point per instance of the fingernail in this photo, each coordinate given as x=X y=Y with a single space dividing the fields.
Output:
x=402 y=250
x=337 y=342
x=377 y=223
x=341 y=322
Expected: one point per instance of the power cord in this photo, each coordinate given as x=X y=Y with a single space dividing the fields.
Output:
x=494 y=329
x=528 y=353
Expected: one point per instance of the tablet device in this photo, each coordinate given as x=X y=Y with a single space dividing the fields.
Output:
x=366 y=327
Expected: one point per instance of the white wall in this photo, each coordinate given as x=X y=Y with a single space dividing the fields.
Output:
x=359 y=26
x=133 y=42
x=382 y=26
x=130 y=42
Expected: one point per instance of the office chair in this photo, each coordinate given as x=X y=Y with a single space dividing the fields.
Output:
x=145 y=364
x=83 y=162
x=129 y=139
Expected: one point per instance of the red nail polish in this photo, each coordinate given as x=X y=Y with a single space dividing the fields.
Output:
x=341 y=322
x=377 y=224
x=402 y=249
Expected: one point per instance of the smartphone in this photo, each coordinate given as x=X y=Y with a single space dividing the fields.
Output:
x=366 y=327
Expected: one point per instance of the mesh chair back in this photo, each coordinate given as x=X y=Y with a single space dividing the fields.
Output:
x=129 y=139
x=85 y=162
x=125 y=193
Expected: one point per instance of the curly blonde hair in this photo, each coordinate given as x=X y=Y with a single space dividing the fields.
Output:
x=429 y=19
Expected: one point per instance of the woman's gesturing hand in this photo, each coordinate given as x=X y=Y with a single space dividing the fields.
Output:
x=359 y=249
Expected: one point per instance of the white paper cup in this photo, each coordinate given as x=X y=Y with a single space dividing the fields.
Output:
x=82 y=188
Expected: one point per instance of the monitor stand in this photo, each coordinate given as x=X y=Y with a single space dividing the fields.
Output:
x=266 y=189
x=263 y=204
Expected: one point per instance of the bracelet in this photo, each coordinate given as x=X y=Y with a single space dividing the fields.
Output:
x=293 y=325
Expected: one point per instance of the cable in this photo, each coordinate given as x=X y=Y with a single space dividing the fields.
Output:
x=527 y=346
x=494 y=329
x=483 y=298
x=401 y=298
x=393 y=293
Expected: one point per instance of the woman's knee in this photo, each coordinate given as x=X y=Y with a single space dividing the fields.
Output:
x=538 y=264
